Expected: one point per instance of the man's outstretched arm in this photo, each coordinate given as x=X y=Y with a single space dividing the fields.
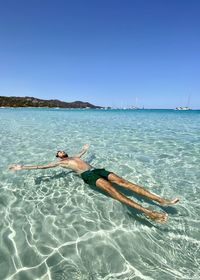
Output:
x=83 y=151
x=16 y=167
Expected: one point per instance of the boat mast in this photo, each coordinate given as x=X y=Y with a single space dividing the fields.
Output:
x=188 y=101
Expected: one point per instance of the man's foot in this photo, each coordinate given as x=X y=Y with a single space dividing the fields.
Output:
x=158 y=217
x=169 y=202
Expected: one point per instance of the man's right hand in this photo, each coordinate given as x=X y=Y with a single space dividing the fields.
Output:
x=86 y=146
x=15 y=167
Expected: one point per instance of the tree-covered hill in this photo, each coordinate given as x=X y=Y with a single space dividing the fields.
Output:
x=26 y=101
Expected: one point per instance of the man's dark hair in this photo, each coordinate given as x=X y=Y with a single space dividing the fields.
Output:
x=66 y=155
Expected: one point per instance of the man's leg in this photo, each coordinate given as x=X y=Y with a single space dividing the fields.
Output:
x=140 y=190
x=106 y=186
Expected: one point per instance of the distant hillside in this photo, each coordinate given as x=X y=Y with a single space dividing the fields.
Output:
x=26 y=101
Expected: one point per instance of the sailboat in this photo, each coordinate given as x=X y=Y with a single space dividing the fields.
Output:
x=186 y=108
x=135 y=107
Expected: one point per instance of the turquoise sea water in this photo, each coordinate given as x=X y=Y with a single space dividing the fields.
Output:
x=54 y=226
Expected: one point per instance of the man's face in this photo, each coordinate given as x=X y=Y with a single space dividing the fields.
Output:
x=61 y=154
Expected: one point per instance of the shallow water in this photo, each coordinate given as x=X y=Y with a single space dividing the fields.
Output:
x=53 y=226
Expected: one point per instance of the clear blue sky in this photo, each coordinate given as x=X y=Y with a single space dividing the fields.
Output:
x=105 y=52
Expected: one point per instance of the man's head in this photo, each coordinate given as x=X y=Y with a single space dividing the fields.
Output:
x=61 y=154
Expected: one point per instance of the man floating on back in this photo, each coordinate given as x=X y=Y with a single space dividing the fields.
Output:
x=103 y=179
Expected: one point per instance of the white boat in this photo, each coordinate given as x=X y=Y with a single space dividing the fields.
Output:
x=183 y=108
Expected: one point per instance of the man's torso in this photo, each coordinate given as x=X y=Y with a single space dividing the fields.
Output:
x=75 y=164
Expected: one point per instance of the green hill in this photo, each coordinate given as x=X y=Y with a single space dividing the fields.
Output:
x=26 y=101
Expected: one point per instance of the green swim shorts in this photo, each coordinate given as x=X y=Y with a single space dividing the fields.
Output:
x=92 y=175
